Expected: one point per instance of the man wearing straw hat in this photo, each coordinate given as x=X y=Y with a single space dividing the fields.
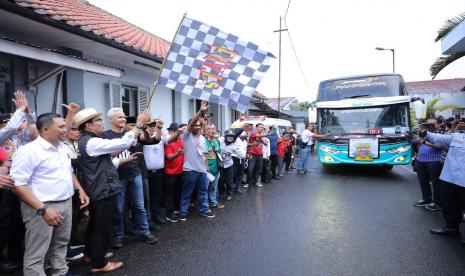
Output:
x=101 y=182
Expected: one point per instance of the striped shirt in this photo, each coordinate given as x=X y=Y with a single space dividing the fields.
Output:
x=429 y=154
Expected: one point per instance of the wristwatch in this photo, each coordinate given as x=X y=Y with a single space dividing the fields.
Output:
x=41 y=211
x=143 y=127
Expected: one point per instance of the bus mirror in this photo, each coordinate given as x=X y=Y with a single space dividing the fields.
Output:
x=312 y=114
x=419 y=106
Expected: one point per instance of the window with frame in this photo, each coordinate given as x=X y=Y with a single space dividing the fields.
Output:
x=129 y=100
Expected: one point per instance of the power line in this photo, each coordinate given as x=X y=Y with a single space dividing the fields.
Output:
x=296 y=56
x=288 y=4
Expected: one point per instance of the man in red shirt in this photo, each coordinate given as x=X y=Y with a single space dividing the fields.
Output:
x=255 y=155
x=174 y=161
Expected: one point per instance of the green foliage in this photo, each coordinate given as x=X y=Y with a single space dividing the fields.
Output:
x=445 y=60
x=449 y=25
x=432 y=107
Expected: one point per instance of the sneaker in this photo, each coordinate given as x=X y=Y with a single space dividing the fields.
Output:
x=173 y=218
x=149 y=238
x=182 y=217
x=245 y=186
x=433 y=207
x=240 y=191
x=76 y=246
x=228 y=198
x=208 y=214
x=259 y=184
x=218 y=205
x=74 y=254
x=421 y=203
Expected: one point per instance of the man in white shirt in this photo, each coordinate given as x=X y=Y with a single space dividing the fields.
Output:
x=101 y=182
x=44 y=182
x=305 y=148
x=239 y=157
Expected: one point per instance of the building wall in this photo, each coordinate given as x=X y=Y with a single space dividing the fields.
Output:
x=45 y=90
x=92 y=90
x=457 y=99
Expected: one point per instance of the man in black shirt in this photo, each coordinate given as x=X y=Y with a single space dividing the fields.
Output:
x=131 y=181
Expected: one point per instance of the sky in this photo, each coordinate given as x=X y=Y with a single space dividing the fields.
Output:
x=332 y=38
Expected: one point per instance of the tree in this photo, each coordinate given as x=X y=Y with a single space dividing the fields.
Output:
x=445 y=60
x=432 y=107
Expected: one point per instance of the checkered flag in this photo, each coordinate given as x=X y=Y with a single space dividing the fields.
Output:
x=215 y=66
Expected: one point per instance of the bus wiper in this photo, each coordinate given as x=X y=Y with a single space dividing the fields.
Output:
x=357 y=96
x=335 y=139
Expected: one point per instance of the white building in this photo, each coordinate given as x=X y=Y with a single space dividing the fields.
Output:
x=450 y=92
x=79 y=53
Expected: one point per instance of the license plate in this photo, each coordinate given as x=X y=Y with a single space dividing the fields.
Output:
x=363 y=158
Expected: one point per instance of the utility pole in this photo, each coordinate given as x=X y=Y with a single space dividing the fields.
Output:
x=279 y=60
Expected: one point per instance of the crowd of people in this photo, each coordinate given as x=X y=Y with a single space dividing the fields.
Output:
x=439 y=164
x=60 y=174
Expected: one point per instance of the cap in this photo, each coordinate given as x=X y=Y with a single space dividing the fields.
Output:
x=151 y=121
x=173 y=126
x=228 y=133
x=85 y=115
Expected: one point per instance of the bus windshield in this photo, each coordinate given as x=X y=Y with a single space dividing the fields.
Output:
x=392 y=119
x=375 y=86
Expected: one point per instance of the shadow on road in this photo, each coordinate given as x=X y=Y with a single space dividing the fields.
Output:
x=372 y=171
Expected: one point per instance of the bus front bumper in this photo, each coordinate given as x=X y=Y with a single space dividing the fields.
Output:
x=341 y=156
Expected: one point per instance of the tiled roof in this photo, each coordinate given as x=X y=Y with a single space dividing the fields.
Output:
x=83 y=15
x=273 y=102
x=435 y=86
x=259 y=96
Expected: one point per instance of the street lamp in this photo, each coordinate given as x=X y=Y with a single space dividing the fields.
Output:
x=393 y=56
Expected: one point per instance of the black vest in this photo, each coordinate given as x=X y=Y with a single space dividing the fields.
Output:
x=98 y=174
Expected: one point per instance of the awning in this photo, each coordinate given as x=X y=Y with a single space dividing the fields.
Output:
x=28 y=50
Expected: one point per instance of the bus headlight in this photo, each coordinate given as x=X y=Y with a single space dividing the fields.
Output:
x=399 y=149
x=400 y=159
x=329 y=150
x=327 y=158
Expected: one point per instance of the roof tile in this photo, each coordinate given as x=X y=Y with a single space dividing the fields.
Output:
x=83 y=15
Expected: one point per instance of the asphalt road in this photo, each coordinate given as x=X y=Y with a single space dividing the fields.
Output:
x=344 y=222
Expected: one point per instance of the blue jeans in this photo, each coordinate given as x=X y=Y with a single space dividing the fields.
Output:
x=136 y=191
x=213 y=188
x=194 y=180
x=304 y=156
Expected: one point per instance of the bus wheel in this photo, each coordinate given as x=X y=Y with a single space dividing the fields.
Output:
x=387 y=167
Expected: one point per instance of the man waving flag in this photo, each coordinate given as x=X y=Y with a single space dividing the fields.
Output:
x=215 y=66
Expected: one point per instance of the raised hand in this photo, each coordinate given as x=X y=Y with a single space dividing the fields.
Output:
x=72 y=107
x=143 y=117
x=21 y=101
x=203 y=106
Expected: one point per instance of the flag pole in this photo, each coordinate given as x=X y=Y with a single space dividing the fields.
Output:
x=163 y=63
